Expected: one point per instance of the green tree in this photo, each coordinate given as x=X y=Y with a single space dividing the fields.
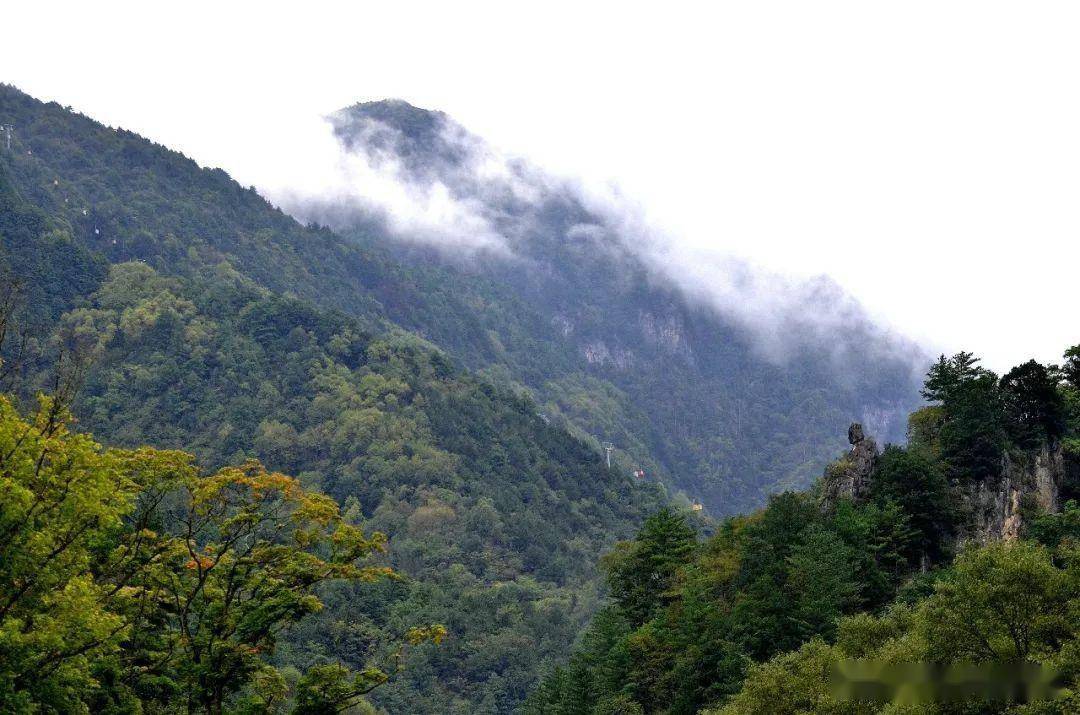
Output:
x=1055 y=530
x=241 y=553
x=1003 y=602
x=797 y=575
x=642 y=573
x=61 y=495
x=794 y=683
x=331 y=688
x=1071 y=367
x=948 y=374
x=973 y=434
x=1034 y=409
x=917 y=485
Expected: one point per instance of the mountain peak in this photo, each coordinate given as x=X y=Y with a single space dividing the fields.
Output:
x=418 y=137
x=397 y=113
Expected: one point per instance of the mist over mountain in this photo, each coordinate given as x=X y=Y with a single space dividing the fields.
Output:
x=500 y=377
x=487 y=200
x=207 y=320
x=704 y=351
x=615 y=360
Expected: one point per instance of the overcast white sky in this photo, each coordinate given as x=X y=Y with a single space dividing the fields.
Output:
x=925 y=155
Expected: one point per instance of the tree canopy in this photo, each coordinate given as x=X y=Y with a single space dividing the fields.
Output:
x=130 y=579
x=753 y=621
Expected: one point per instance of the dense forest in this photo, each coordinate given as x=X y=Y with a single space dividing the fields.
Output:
x=573 y=308
x=248 y=465
x=606 y=348
x=217 y=344
x=907 y=569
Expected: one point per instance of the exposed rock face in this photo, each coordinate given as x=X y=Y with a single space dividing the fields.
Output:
x=850 y=477
x=996 y=506
x=665 y=332
x=598 y=353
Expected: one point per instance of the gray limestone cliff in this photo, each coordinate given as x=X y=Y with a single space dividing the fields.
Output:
x=991 y=509
x=996 y=507
x=850 y=476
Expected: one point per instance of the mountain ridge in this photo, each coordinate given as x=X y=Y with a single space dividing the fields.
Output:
x=607 y=309
x=202 y=329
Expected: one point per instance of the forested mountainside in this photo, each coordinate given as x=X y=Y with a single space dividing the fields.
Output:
x=961 y=547
x=608 y=349
x=458 y=408
x=197 y=317
x=564 y=299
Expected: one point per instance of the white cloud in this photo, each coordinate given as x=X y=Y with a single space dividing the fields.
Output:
x=451 y=189
x=921 y=154
x=314 y=178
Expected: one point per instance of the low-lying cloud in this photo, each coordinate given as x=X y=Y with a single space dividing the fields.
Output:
x=442 y=186
x=331 y=185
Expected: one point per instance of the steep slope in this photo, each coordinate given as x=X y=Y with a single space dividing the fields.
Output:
x=125 y=198
x=609 y=348
x=214 y=323
x=727 y=402
x=559 y=302
x=960 y=547
x=498 y=517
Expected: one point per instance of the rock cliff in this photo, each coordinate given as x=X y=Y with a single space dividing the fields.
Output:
x=992 y=509
x=851 y=475
x=996 y=507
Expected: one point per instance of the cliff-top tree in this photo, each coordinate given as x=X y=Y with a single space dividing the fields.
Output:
x=948 y=374
x=1033 y=406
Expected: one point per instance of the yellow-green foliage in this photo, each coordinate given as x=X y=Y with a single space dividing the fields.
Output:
x=923 y=428
x=128 y=575
x=60 y=495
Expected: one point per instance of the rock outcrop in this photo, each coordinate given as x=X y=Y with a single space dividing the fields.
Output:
x=1029 y=481
x=991 y=509
x=850 y=476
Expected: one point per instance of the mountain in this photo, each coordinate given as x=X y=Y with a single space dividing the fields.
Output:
x=725 y=398
x=545 y=294
x=958 y=548
x=455 y=402
x=196 y=316
x=450 y=384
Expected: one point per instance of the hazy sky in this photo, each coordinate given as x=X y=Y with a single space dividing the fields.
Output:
x=925 y=155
